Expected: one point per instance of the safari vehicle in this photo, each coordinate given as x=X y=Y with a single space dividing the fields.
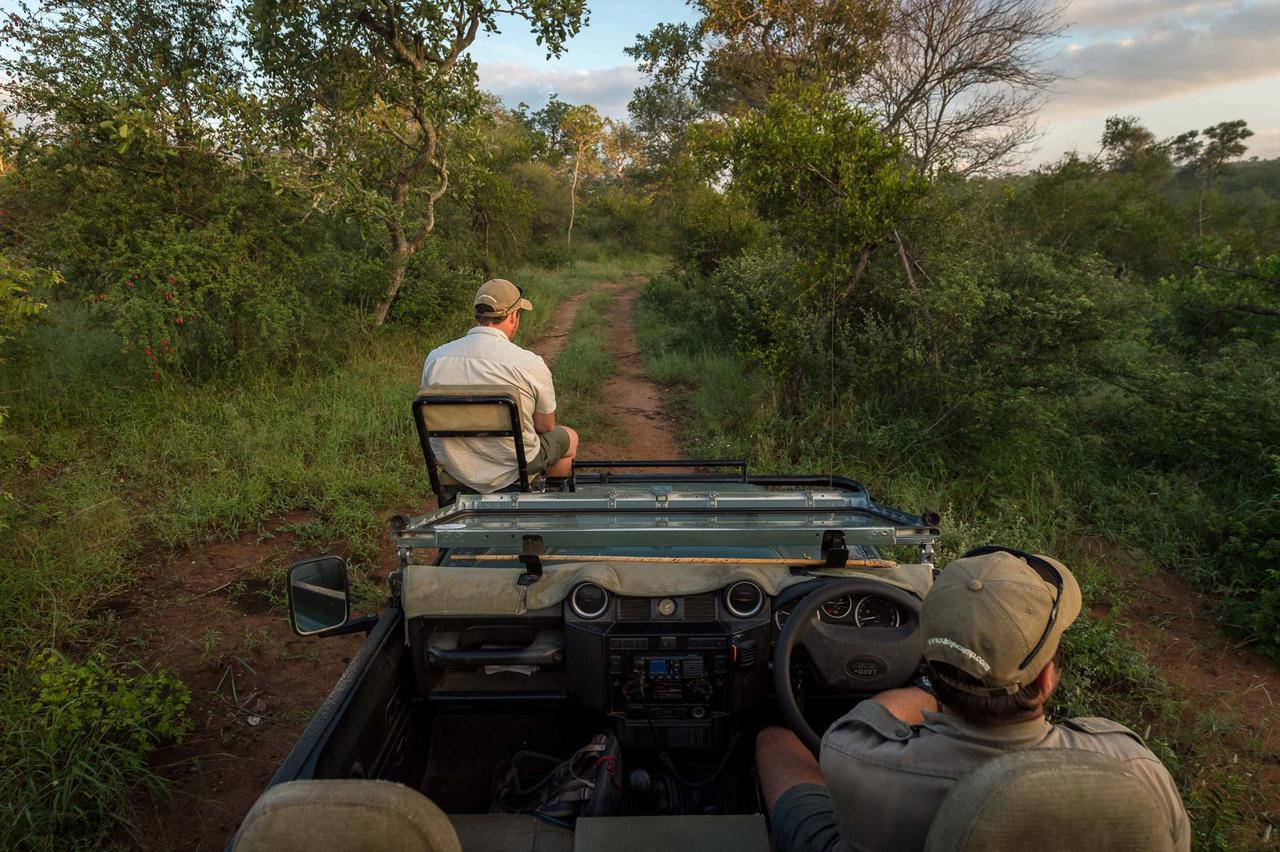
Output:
x=586 y=667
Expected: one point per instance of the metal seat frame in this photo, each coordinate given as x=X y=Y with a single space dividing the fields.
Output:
x=425 y=434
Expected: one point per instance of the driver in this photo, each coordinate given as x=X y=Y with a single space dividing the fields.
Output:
x=991 y=627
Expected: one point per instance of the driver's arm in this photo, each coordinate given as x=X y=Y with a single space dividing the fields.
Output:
x=543 y=423
x=907 y=703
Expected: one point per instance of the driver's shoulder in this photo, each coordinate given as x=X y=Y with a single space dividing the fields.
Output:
x=1095 y=733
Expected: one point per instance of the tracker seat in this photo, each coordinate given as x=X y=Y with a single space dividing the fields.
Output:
x=1047 y=799
x=359 y=815
x=441 y=412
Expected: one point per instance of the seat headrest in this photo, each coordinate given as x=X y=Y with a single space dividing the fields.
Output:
x=443 y=411
x=352 y=815
x=1050 y=799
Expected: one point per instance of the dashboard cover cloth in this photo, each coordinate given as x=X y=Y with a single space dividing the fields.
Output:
x=436 y=590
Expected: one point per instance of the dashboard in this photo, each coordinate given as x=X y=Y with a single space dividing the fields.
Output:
x=673 y=670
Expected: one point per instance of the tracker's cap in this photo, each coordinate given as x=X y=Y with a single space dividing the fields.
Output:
x=498 y=297
x=985 y=614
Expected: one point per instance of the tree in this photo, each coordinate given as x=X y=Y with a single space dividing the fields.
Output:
x=738 y=51
x=582 y=130
x=369 y=95
x=621 y=148
x=1206 y=157
x=962 y=80
x=833 y=186
x=104 y=77
x=959 y=80
x=1127 y=146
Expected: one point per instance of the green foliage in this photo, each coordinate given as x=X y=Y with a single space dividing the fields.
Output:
x=18 y=307
x=75 y=744
x=91 y=700
x=1015 y=482
x=833 y=187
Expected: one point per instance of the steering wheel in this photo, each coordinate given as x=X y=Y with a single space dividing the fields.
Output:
x=864 y=659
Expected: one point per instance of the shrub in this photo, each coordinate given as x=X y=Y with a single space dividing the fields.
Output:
x=76 y=737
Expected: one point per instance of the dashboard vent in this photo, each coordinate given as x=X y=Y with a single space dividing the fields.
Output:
x=700 y=608
x=633 y=609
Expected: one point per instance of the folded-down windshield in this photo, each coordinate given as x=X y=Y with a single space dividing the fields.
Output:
x=665 y=524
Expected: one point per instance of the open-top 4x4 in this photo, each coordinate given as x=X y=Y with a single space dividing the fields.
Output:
x=587 y=668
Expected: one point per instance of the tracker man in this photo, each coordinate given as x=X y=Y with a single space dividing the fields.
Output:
x=486 y=355
x=991 y=627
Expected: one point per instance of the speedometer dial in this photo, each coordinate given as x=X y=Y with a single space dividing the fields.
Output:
x=837 y=608
x=876 y=612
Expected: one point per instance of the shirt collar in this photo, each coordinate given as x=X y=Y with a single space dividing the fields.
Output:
x=487 y=329
x=1028 y=732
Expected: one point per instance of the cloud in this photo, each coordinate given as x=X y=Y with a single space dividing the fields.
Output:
x=608 y=89
x=1170 y=57
x=1265 y=143
x=1111 y=15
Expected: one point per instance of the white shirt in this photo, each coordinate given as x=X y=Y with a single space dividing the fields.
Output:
x=486 y=357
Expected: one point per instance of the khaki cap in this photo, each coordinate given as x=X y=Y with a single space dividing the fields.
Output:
x=498 y=297
x=987 y=612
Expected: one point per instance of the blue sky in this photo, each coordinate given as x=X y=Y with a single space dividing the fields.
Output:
x=1176 y=64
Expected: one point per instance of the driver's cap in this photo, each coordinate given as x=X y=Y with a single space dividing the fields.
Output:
x=498 y=297
x=986 y=613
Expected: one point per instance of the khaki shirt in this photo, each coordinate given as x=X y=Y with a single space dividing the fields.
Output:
x=486 y=357
x=887 y=778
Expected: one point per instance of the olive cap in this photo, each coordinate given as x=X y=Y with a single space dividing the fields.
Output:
x=985 y=615
x=498 y=297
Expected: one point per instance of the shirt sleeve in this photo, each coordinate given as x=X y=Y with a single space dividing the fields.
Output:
x=543 y=389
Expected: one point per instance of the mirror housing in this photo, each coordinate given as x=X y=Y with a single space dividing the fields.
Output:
x=319 y=600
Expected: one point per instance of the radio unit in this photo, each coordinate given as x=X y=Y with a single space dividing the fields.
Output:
x=668 y=678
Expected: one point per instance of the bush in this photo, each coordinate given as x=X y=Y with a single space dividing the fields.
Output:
x=76 y=737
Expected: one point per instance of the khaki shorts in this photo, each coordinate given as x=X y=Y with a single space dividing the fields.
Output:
x=555 y=444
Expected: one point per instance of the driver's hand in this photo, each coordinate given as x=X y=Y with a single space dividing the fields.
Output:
x=907 y=703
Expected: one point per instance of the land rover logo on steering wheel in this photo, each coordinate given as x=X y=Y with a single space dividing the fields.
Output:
x=866 y=668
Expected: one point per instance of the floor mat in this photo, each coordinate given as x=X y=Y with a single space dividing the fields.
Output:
x=465 y=751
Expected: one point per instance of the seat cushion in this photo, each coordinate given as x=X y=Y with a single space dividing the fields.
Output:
x=352 y=815
x=510 y=833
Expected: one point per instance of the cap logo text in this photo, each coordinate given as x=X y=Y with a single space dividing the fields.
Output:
x=973 y=655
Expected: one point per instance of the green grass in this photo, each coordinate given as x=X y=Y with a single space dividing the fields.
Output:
x=1006 y=496
x=582 y=367
x=102 y=466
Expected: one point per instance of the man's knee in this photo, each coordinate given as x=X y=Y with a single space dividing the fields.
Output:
x=573 y=443
x=773 y=739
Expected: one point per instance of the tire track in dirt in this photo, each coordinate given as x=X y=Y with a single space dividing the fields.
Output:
x=551 y=341
x=632 y=401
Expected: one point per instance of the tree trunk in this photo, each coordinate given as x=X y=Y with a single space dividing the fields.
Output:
x=393 y=287
x=401 y=252
x=573 y=196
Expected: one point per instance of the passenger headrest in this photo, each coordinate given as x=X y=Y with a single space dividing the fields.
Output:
x=352 y=815
x=1050 y=799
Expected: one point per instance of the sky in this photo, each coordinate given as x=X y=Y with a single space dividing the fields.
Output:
x=1175 y=64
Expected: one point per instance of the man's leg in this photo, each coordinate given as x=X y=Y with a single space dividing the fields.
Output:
x=800 y=812
x=564 y=465
x=783 y=762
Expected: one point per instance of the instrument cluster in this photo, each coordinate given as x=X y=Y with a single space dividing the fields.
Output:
x=854 y=611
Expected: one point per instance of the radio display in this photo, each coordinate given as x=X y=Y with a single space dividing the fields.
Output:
x=660 y=667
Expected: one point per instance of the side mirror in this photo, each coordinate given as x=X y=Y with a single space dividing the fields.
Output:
x=318 y=599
